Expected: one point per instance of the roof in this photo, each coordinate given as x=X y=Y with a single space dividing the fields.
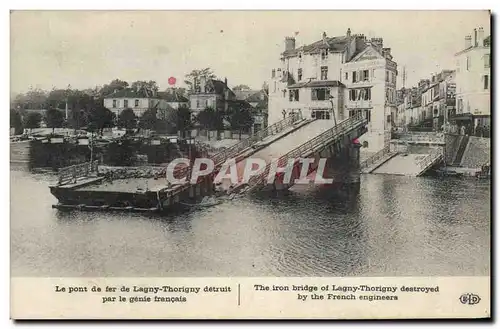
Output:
x=250 y=96
x=219 y=87
x=335 y=44
x=486 y=44
x=321 y=83
x=131 y=93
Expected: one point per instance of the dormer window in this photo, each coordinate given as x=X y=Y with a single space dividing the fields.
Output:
x=300 y=55
x=324 y=54
x=299 y=74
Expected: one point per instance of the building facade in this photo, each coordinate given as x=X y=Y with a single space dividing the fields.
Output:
x=473 y=79
x=335 y=78
x=140 y=101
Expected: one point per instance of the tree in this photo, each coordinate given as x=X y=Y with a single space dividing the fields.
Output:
x=110 y=88
x=127 y=119
x=33 y=99
x=32 y=120
x=54 y=119
x=241 y=118
x=99 y=118
x=16 y=122
x=57 y=98
x=149 y=119
x=211 y=119
x=178 y=91
x=148 y=87
x=241 y=87
x=183 y=119
x=193 y=78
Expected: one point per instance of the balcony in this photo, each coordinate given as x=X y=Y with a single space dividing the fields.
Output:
x=359 y=104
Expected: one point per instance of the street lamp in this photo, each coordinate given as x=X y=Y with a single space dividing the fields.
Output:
x=333 y=111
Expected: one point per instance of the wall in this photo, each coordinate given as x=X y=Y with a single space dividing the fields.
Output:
x=144 y=104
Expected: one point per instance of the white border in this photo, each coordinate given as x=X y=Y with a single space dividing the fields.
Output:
x=185 y=4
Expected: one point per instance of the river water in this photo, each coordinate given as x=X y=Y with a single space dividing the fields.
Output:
x=395 y=225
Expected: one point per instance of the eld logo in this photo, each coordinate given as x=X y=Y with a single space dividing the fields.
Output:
x=470 y=299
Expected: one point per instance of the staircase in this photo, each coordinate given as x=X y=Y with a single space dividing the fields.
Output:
x=429 y=160
x=460 y=152
x=376 y=160
x=316 y=144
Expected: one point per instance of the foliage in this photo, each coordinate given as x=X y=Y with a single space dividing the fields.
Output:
x=211 y=119
x=127 y=119
x=32 y=120
x=16 y=122
x=149 y=119
x=241 y=87
x=193 y=78
x=240 y=117
x=110 y=88
x=149 y=86
x=99 y=118
x=33 y=99
x=54 y=119
x=183 y=119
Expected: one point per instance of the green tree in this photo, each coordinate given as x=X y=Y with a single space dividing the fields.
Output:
x=127 y=119
x=149 y=119
x=16 y=122
x=183 y=119
x=110 y=88
x=54 y=119
x=240 y=117
x=99 y=118
x=32 y=120
x=193 y=78
x=241 y=87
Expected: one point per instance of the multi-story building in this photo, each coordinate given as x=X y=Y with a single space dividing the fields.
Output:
x=473 y=80
x=259 y=101
x=140 y=100
x=334 y=78
x=211 y=93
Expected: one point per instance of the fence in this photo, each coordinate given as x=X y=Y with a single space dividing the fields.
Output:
x=429 y=159
x=314 y=144
x=72 y=173
x=376 y=157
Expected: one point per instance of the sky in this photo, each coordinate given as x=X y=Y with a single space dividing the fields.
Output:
x=84 y=49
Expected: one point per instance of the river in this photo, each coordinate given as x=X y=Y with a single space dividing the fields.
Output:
x=394 y=226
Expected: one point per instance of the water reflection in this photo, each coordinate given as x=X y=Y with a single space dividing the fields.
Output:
x=392 y=225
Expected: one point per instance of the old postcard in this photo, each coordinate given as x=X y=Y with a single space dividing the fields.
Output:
x=250 y=164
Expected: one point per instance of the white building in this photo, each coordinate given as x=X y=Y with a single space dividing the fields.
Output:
x=473 y=78
x=140 y=101
x=337 y=75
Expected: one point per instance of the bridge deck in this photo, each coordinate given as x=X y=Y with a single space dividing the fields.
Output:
x=285 y=145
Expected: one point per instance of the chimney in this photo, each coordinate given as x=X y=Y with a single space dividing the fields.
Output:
x=386 y=52
x=480 y=37
x=289 y=43
x=225 y=81
x=379 y=42
x=468 y=41
x=203 y=83
x=475 y=38
x=324 y=36
x=348 y=34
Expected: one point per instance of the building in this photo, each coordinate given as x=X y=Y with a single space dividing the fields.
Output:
x=140 y=100
x=211 y=93
x=335 y=78
x=473 y=80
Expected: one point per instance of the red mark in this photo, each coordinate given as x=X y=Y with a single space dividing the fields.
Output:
x=171 y=81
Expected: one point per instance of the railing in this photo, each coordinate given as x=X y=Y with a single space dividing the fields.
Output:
x=376 y=157
x=431 y=137
x=230 y=152
x=322 y=140
x=72 y=173
x=429 y=159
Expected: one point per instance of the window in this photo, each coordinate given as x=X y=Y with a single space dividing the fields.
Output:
x=486 y=82
x=320 y=94
x=300 y=55
x=324 y=54
x=273 y=73
x=125 y=103
x=294 y=95
x=487 y=61
x=114 y=103
x=367 y=94
x=299 y=74
x=387 y=76
x=197 y=103
x=284 y=93
x=368 y=115
x=354 y=77
x=324 y=73
x=347 y=76
x=366 y=75
x=467 y=63
x=136 y=103
x=274 y=86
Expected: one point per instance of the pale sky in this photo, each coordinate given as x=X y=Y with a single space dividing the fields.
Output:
x=89 y=48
